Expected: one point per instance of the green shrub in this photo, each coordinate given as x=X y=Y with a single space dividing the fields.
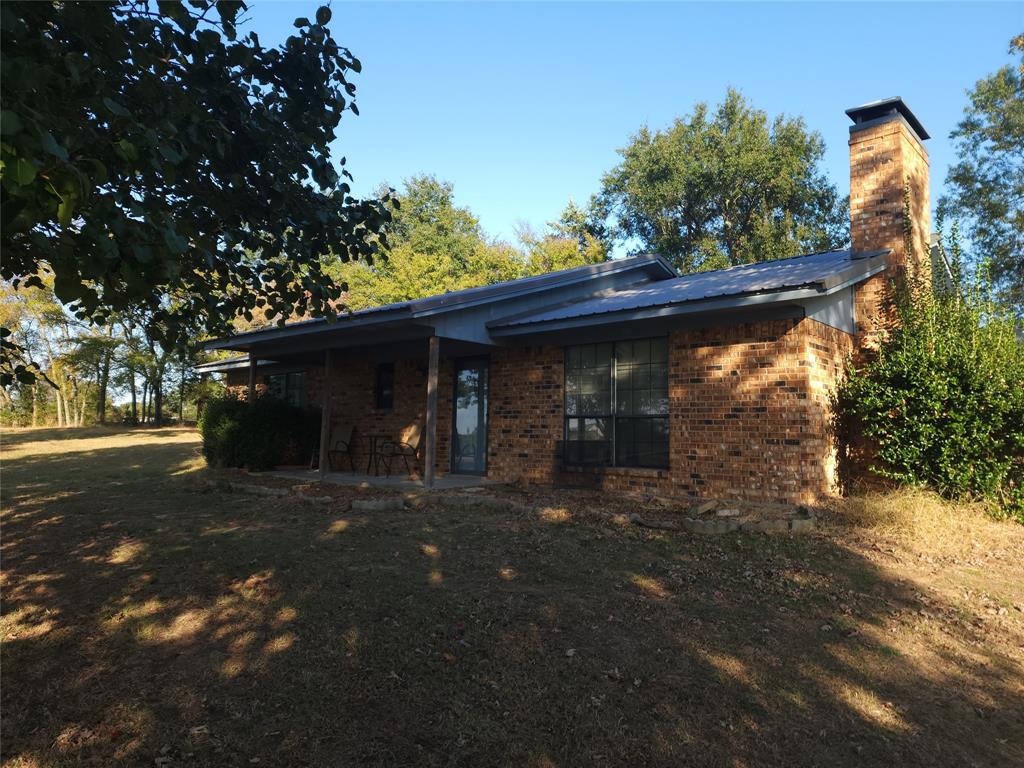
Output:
x=942 y=404
x=261 y=435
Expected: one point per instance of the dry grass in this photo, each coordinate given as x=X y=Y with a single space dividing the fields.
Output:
x=151 y=617
x=922 y=520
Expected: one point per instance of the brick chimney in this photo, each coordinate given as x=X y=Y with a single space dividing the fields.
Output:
x=888 y=178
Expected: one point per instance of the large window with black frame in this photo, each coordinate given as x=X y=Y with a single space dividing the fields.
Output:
x=616 y=403
x=290 y=387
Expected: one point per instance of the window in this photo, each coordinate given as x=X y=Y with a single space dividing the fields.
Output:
x=616 y=403
x=384 y=386
x=290 y=387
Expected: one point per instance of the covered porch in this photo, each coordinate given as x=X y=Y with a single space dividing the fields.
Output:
x=409 y=411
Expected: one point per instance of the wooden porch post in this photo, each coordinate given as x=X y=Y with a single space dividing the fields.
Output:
x=325 y=414
x=430 y=453
x=251 y=394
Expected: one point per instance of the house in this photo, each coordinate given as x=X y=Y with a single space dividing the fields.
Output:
x=624 y=375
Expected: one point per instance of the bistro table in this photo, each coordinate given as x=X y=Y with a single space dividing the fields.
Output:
x=377 y=441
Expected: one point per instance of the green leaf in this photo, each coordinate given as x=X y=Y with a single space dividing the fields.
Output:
x=128 y=150
x=49 y=144
x=302 y=21
x=66 y=210
x=323 y=15
x=99 y=170
x=22 y=171
x=170 y=154
x=10 y=123
x=115 y=107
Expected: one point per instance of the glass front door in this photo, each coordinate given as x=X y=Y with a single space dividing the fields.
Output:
x=469 y=418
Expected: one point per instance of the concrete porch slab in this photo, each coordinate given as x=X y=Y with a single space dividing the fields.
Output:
x=396 y=482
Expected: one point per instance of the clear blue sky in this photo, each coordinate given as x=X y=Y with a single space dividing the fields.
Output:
x=523 y=105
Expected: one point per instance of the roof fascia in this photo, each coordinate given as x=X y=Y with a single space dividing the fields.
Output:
x=320 y=325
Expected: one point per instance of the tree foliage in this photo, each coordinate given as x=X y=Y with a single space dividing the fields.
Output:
x=155 y=160
x=942 y=404
x=724 y=187
x=437 y=246
x=986 y=185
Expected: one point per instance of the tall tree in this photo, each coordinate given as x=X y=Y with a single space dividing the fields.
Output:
x=724 y=187
x=985 y=187
x=148 y=146
x=437 y=246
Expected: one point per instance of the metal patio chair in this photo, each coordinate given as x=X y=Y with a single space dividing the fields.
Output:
x=410 y=448
x=342 y=446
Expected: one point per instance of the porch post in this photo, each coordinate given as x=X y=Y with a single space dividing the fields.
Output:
x=251 y=394
x=325 y=414
x=430 y=453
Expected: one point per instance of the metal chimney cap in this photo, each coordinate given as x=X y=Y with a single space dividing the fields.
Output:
x=880 y=111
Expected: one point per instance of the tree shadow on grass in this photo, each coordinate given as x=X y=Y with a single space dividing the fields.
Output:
x=147 y=620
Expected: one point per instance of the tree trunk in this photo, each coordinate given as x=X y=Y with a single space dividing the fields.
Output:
x=74 y=405
x=135 y=404
x=35 y=404
x=181 y=394
x=145 y=393
x=103 y=380
x=60 y=407
x=158 y=402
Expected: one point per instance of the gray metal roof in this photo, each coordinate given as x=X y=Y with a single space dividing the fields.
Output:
x=654 y=266
x=820 y=272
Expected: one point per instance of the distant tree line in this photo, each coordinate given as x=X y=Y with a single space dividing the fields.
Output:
x=84 y=368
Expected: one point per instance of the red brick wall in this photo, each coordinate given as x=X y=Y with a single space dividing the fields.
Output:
x=886 y=160
x=749 y=412
x=525 y=413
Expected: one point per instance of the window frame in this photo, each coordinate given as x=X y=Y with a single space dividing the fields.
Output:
x=378 y=389
x=289 y=387
x=614 y=418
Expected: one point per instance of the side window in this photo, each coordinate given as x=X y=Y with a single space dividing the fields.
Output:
x=616 y=403
x=290 y=387
x=276 y=384
x=588 y=404
x=384 y=387
x=295 y=389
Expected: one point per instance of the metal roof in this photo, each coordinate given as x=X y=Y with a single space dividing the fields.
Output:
x=820 y=272
x=446 y=302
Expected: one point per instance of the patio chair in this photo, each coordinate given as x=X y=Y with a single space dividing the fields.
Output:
x=342 y=447
x=405 y=450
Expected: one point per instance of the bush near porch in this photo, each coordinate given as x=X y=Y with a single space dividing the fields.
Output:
x=260 y=435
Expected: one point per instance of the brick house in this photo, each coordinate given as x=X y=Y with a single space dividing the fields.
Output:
x=623 y=375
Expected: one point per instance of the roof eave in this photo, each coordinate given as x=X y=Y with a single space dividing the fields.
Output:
x=244 y=341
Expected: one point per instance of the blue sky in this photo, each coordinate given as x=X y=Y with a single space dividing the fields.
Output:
x=523 y=105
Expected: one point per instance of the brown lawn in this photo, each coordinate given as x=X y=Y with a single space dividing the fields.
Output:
x=151 y=617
